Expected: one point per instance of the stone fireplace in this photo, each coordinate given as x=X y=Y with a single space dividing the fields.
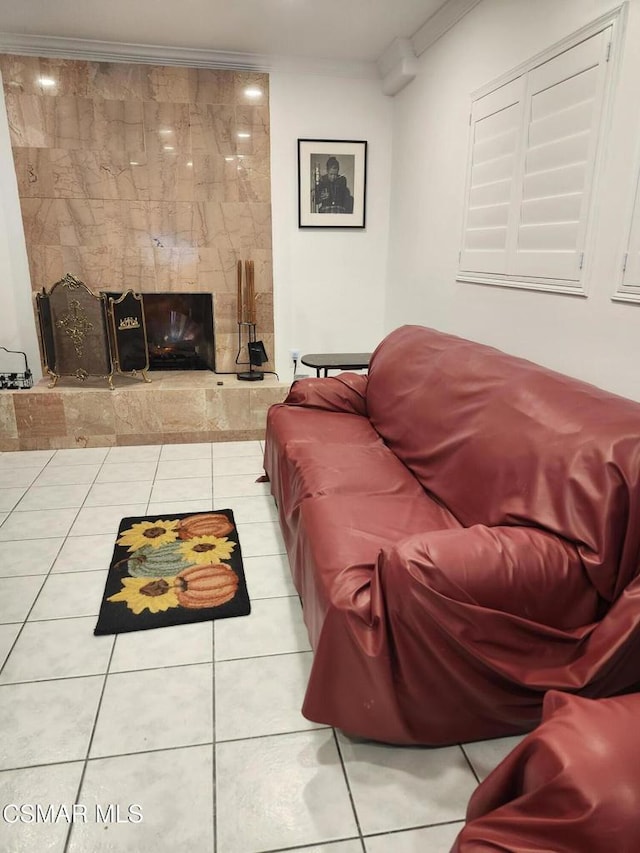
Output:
x=156 y=179
x=149 y=177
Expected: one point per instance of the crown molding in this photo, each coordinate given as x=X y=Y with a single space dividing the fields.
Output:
x=397 y=65
x=440 y=22
x=105 y=51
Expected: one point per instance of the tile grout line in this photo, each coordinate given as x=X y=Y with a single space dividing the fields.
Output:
x=470 y=763
x=402 y=829
x=33 y=604
x=97 y=674
x=24 y=621
x=26 y=488
x=91 y=736
x=45 y=576
x=214 y=776
x=313 y=845
x=153 y=481
x=64 y=541
x=214 y=780
x=213 y=492
x=92 y=760
x=106 y=675
x=349 y=791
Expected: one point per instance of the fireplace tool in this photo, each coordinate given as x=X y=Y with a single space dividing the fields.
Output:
x=247 y=321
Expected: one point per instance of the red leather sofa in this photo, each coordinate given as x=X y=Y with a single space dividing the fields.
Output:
x=571 y=786
x=463 y=528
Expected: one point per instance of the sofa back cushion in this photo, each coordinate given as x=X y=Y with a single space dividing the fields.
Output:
x=500 y=440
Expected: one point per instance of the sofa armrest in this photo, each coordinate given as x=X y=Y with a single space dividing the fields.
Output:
x=523 y=571
x=344 y=393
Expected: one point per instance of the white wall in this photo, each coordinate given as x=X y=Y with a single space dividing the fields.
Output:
x=329 y=284
x=592 y=338
x=17 y=322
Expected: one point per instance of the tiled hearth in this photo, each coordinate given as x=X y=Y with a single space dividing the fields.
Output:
x=176 y=407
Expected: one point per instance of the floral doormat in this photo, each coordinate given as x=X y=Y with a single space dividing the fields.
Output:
x=173 y=570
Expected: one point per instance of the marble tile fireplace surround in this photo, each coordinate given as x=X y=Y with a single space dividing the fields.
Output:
x=154 y=178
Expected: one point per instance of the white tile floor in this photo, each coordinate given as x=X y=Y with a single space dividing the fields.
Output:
x=199 y=725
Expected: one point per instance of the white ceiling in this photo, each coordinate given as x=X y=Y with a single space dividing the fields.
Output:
x=358 y=30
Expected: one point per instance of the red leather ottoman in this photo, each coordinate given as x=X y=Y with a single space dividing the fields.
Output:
x=571 y=786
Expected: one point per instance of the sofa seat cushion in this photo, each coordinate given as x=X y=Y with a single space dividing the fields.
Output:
x=338 y=454
x=342 y=469
x=295 y=423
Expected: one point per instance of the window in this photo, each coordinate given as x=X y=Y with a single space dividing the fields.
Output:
x=629 y=286
x=532 y=161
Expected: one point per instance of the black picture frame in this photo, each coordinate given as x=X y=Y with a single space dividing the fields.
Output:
x=330 y=195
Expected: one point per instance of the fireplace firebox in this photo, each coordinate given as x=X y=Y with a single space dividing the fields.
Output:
x=179 y=329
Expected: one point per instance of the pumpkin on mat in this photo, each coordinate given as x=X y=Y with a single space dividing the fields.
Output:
x=204 y=524
x=206 y=586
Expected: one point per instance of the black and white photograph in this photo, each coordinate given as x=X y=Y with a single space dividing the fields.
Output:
x=331 y=183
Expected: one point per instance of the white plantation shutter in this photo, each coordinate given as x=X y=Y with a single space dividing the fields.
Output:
x=631 y=274
x=496 y=125
x=534 y=142
x=564 y=109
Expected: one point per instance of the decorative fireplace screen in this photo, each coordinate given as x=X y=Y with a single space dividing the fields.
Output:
x=86 y=335
x=73 y=327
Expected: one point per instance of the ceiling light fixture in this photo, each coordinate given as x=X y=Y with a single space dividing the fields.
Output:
x=253 y=92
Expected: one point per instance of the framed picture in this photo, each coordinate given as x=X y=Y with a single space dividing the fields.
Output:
x=332 y=183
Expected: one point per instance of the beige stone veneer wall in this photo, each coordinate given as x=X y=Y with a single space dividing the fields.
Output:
x=150 y=177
